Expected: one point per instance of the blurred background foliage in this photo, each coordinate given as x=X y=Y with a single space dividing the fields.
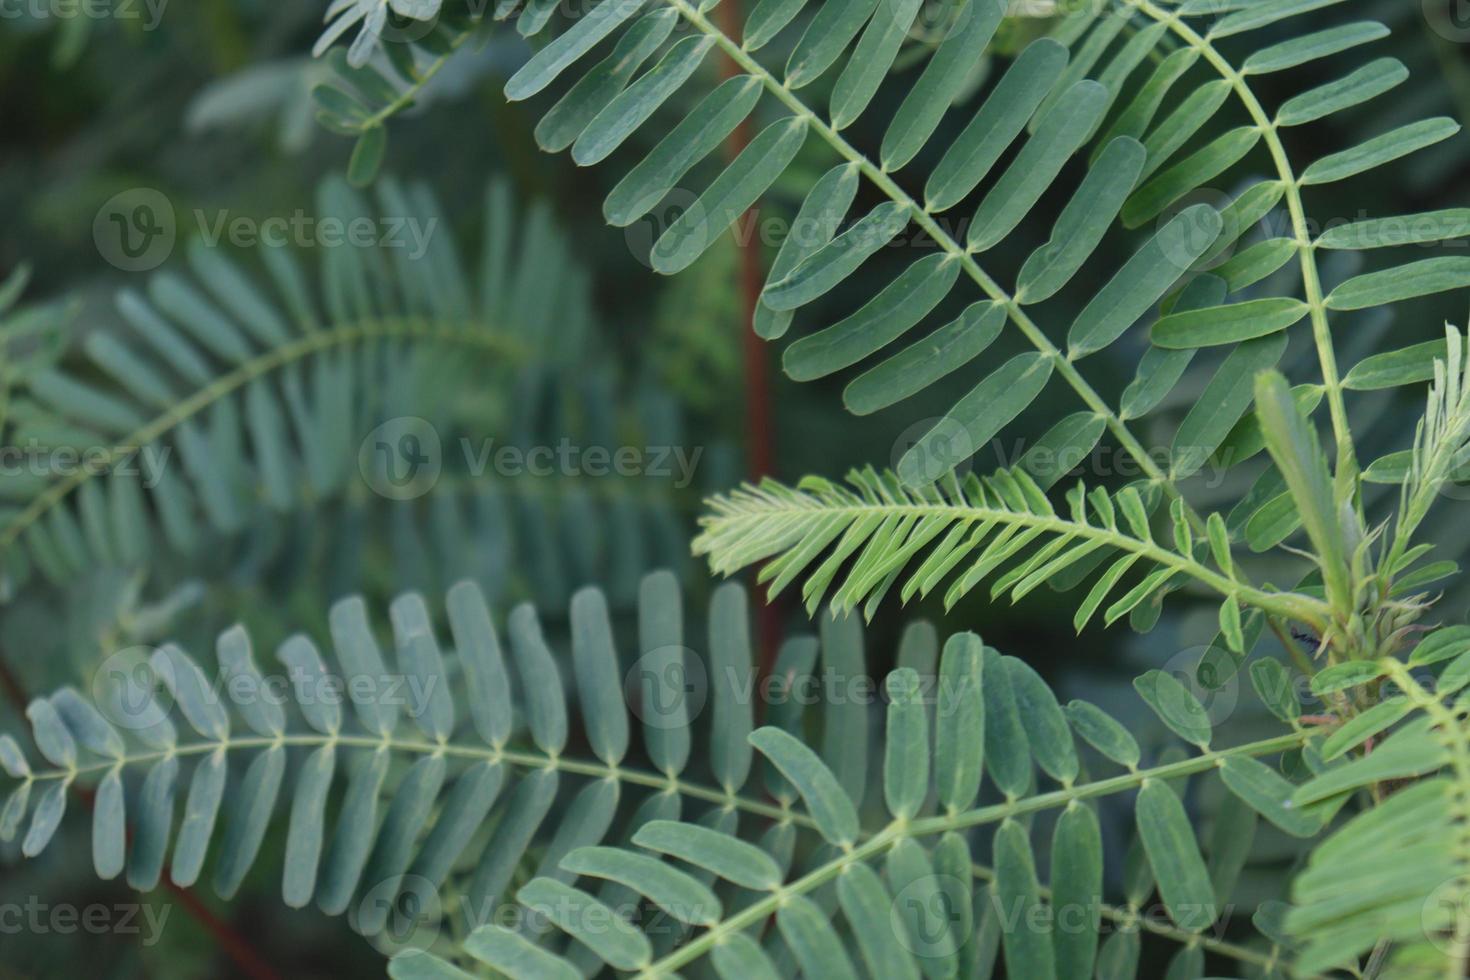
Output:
x=211 y=106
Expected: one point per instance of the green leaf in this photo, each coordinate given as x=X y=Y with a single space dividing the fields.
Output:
x=478 y=647
x=511 y=954
x=581 y=916
x=109 y=826
x=840 y=258
x=543 y=68
x=1103 y=732
x=868 y=906
x=1350 y=673
x=826 y=36
x=722 y=855
x=1046 y=727
x=895 y=310
x=624 y=114
x=1060 y=133
x=1028 y=951
x=698 y=134
x=1076 y=882
x=415 y=964
x=906 y=759
x=1310 y=47
x=1000 y=120
x=1176 y=706
x=1082 y=223
x=423 y=665
x=1407 y=365
x=737 y=187
x=928 y=359
x=564 y=121
x=1293 y=445
x=672 y=890
x=943 y=79
x=739 y=957
x=599 y=684
x=153 y=821
x=1194 y=171
x=305 y=834
x=245 y=831
x=45 y=819
x=1275 y=688
x=1227 y=324
x=732 y=668
x=1368 y=82
x=1380 y=150
x=812 y=940
x=871 y=60
x=1405 y=229
x=817 y=221
x=1443 y=644
x=1422 y=278
x=201 y=811
x=367 y=156
x=1007 y=756
x=829 y=805
x=362 y=666
x=959 y=722
x=1264 y=790
x=1168 y=838
x=1143 y=280
x=976 y=419
x=1361 y=727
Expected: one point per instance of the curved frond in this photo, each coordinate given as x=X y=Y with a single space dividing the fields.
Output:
x=225 y=403
x=877 y=533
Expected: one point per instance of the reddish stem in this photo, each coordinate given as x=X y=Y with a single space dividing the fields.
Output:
x=758 y=413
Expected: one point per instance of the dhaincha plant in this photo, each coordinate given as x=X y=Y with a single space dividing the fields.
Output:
x=1021 y=199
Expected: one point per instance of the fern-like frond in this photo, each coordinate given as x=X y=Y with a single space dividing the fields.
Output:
x=901 y=895
x=222 y=402
x=1062 y=95
x=859 y=541
x=1397 y=873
